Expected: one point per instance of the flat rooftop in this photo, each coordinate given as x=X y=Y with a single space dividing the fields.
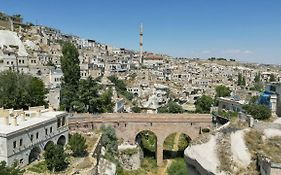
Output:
x=32 y=118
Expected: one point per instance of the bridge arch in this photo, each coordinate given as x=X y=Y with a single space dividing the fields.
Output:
x=62 y=140
x=48 y=143
x=175 y=144
x=34 y=154
x=147 y=140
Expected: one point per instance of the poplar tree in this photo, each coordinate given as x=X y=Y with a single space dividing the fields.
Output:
x=71 y=75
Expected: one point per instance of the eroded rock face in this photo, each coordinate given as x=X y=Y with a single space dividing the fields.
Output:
x=130 y=159
x=106 y=167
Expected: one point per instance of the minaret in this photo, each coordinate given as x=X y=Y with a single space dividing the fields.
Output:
x=11 y=24
x=141 y=44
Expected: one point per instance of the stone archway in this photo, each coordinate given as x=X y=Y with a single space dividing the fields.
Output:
x=62 y=140
x=34 y=154
x=175 y=144
x=147 y=140
x=48 y=143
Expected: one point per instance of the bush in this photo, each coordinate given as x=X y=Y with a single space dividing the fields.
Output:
x=78 y=144
x=178 y=167
x=204 y=104
x=222 y=91
x=136 y=109
x=40 y=167
x=260 y=112
x=171 y=107
x=109 y=141
x=10 y=170
x=55 y=158
x=121 y=87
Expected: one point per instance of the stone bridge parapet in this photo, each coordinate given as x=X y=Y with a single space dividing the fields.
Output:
x=128 y=125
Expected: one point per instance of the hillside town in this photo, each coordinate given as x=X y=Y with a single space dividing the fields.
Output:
x=212 y=100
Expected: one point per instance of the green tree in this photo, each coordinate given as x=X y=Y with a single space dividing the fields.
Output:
x=89 y=98
x=243 y=81
x=260 y=112
x=253 y=99
x=178 y=167
x=272 y=78
x=78 y=144
x=222 y=91
x=109 y=140
x=136 y=109
x=55 y=158
x=257 y=78
x=71 y=75
x=204 y=104
x=121 y=87
x=21 y=90
x=171 y=107
x=10 y=170
x=239 y=82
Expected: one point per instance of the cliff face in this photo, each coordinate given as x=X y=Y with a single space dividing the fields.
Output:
x=130 y=161
x=235 y=149
x=130 y=157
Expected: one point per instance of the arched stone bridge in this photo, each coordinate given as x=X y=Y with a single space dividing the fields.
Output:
x=128 y=125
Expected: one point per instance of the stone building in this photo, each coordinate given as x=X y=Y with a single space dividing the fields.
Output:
x=25 y=134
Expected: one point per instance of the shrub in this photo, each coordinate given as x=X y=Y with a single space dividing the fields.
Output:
x=55 y=157
x=260 y=112
x=178 y=167
x=78 y=144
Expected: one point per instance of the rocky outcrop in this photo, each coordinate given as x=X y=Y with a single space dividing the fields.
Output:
x=130 y=157
x=106 y=167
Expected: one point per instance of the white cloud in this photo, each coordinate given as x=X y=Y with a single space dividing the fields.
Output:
x=237 y=52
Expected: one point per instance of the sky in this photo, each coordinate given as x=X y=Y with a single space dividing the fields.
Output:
x=245 y=30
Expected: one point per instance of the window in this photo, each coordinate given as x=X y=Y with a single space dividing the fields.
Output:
x=46 y=131
x=22 y=61
x=20 y=142
x=58 y=122
x=63 y=121
x=8 y=62
x=21 y=161
x=31 y=137
x=51 y=129
x=37 y=135
x=15 y=144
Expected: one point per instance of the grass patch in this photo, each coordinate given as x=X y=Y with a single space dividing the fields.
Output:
x=148 y=166
x=178 y=167
x=40 y=167
x=169 y=142
x=130 y=151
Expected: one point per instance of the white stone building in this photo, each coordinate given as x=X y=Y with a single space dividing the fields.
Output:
x=25 y=134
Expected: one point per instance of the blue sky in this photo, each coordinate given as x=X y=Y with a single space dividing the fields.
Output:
x=246 y=30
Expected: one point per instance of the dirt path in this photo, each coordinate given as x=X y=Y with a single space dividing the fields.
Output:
x=169 y=161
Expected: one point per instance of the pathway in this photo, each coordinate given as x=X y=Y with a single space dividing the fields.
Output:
x=169 y=161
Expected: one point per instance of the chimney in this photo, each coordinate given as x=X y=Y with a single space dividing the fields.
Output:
x=14 y=121
x=38 y=113
x=5 y=114
x=22 y=117
x=51 y=107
